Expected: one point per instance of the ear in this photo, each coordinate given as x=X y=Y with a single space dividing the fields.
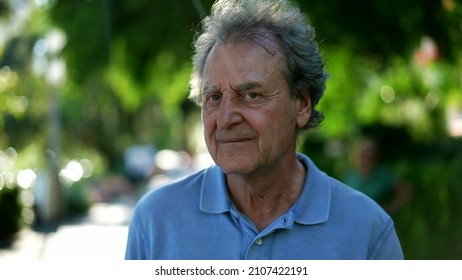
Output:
x=303 y=109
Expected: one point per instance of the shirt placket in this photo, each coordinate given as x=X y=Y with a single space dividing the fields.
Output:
x=257 y=245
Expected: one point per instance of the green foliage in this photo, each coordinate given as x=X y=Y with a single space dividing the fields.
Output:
x=400 y=94
x=429 y=226
x=5 y=9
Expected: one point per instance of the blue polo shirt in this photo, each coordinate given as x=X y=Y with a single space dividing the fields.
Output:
x=194 y=218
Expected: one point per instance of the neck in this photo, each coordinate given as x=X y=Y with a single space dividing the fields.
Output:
x=266 y=197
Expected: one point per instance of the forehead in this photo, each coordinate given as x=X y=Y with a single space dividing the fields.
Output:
x=244 y=60
x=245 y=47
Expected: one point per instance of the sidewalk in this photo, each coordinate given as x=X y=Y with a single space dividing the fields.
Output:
x=99 y=235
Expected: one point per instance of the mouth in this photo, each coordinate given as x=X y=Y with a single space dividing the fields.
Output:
x=232 y=140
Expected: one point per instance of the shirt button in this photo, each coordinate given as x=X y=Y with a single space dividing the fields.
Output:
x=258 y=241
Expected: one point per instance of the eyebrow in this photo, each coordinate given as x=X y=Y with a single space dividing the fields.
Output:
x=240 y=87
x=208 y=89
x=247 y=86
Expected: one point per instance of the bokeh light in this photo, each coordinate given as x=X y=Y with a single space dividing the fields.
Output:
x=26 y=178
x=72 y=172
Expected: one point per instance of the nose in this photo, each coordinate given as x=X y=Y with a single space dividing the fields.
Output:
x=229 y=112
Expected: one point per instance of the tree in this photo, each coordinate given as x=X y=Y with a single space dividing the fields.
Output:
x=130 y=72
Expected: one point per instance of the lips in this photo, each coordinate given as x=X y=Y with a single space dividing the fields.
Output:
x=232 y=140
x=234 y=136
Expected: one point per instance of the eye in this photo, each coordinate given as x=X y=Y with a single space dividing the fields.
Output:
x=252 y=95
x=214 y=97
x=212 y=100
x=252 y=99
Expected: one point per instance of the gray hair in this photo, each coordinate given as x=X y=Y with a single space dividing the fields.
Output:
x=232 y=20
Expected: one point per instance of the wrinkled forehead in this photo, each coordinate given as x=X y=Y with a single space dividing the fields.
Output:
x=245 y=59
x=262 y=38
x=255 y=46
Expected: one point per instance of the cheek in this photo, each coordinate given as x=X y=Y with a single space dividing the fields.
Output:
x=285 y=125
x=209 y=126
x=289 y=119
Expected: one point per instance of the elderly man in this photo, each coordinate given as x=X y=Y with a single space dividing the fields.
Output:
x=258 y=77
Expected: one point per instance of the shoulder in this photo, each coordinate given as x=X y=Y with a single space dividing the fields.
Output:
x=344 y=202
x=365 y=219
x=345 y=196
x=333 y=200
x=350 y=217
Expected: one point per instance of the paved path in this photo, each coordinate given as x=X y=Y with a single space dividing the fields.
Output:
x=100 y=235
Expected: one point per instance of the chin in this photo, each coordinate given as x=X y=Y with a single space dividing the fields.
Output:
x=234 y=171
x=235 y=168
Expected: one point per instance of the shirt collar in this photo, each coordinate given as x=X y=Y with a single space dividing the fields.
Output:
x=312 y=207
x=214 y=196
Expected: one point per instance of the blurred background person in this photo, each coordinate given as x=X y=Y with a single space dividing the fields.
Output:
x=375 y=179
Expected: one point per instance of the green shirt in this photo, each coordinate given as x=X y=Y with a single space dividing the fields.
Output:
x=378 y=186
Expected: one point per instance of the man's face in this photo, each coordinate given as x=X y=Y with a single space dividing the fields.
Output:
x=250 y=120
